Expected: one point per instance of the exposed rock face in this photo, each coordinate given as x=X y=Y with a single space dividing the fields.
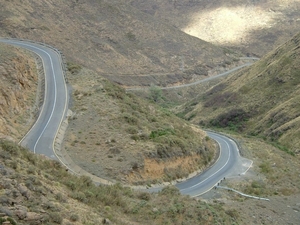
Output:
x=18 y=84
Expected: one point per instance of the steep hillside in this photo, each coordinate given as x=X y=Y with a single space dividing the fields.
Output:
x=118 y=41
x=120 y=137
x=35 y=190
x=254 y=27
x=262 y=100
x=18 y=89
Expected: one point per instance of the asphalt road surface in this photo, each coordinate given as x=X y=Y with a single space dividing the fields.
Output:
x=200 y=81
x=40 y=138
x=229 y=164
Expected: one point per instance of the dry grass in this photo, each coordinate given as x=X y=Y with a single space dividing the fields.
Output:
x=55 y=196
x=274 y=172
x=267 y=93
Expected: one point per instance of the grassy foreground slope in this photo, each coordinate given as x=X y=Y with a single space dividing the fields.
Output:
x=35 y=190
x=262 y=100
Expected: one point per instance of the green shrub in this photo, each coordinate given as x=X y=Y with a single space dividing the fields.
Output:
x=234 y=119
x=265 y=167
x=31 y=170
x=233 y=213
x=73 y=68
x=155 y=93
x=144 y=196
x=56 y=217
x=60 y=197
x=130 y=119
x=158 y=133
x=10 y=147
x=80 y=196
x=132 y=130
x=12 y=221
x=170 y=191
x=74 y=217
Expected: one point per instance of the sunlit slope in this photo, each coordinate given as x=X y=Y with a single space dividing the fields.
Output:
x=261 y=100
x=255 y=27
x=115 y=39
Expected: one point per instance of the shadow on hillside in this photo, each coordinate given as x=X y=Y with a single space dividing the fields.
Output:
x=257 y=39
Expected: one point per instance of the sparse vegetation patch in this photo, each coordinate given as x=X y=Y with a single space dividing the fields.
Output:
x=54 y=196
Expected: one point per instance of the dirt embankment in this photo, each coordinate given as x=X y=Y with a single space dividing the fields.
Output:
x=18 y=85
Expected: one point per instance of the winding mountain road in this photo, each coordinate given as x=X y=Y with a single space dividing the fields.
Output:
x=40 y=138
x=229 y=164
x=203 y=80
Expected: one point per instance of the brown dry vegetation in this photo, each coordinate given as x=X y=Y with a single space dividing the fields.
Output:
x=36 y=190
x=18 y=86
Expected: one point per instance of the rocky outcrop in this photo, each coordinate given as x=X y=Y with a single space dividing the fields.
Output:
x=18 y=85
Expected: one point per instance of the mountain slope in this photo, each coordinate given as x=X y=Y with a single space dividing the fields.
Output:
x=261 y=100
x=118 y=41
x=128 y=139
x=254 y=27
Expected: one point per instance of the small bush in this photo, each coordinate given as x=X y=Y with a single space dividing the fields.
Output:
x=56 y=217
x=59 y=197
x=234 y=119
x=31 y=170
x=12 y=221
x=74 y=217
x=155 y=93
x=265 y=167
x=157 y=133
x=132 y=130
x=130 y=119
x=73 y=68
x=71 y=185
x=170 y=191
x=135 y=137
x=10 y=147
x=144 y=196
x=80 y=196
x=233 y=213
